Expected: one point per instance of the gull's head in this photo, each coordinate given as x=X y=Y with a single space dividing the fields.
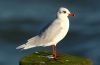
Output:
x=64 y=12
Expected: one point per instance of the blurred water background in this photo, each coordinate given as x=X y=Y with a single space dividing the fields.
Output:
x=23 y=19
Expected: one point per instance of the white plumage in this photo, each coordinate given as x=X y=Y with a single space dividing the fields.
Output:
x=53 y=34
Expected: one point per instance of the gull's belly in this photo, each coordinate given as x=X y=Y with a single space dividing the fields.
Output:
x=62 y=33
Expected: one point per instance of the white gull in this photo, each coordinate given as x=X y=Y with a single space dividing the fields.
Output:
x=54 y=33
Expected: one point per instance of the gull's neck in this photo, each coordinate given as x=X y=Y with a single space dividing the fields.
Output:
x=62 y=17
x=64 y=22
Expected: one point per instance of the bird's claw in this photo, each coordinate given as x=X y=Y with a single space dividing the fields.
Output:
x=57 y=58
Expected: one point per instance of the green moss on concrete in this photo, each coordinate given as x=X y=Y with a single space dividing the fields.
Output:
x=40 y=58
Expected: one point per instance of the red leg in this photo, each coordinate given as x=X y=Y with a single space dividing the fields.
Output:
x=54 y=51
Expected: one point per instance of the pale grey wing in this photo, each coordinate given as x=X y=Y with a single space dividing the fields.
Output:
x=51 y=32
x=47 y=36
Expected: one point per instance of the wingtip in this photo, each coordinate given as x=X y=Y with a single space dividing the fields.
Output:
x=18 y=48
x=21 y=47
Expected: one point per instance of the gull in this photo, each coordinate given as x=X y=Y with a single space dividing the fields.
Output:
x=53 y=34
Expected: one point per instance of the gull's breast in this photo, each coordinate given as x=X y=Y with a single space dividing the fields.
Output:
x=63 y=32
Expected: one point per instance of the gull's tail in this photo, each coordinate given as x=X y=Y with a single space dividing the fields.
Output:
x=33 y=42
x=21 y=46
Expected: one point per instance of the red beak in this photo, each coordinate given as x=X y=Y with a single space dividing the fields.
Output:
x=71 y=14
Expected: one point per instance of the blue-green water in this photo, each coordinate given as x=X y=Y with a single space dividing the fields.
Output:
x=22 y=19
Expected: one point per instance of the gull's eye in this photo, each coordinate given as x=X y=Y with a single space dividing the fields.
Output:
x=64 y=11
x=59 y=11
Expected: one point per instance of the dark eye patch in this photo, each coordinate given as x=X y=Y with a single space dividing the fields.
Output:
x=59 y=11
x=64 y=11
